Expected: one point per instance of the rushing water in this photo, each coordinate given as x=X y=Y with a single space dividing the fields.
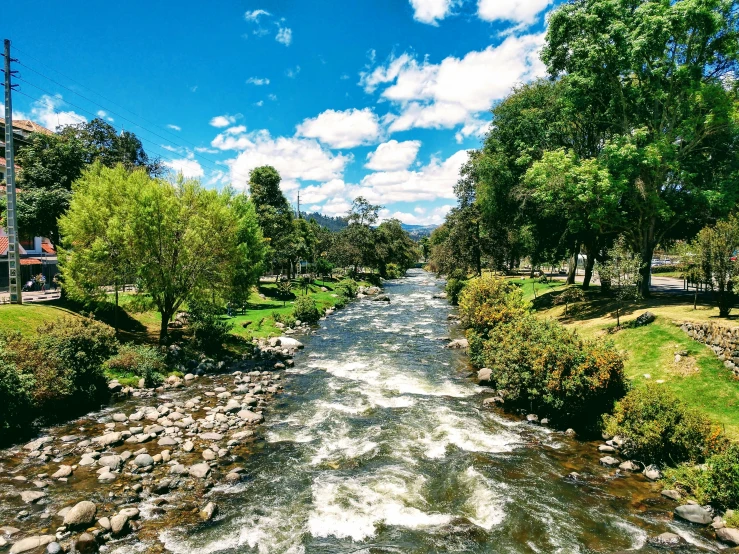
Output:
x=380 y=445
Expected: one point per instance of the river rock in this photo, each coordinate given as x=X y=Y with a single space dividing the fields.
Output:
x=63 y=471
x=484 y=375
x=107 y=477
x=210 y=510
x=119 y=523
x=85 y=544
x=669 y=540
x=458 y=344
x=672 y=494
x=104 y=522
x=493 y=400
x=606 y=449
x=166 y=441
x=119 y=418
x=53 y=548
x=112 y=462
x=652 y=473
x=82 y=514
x=609 y=461
x=209 y=455
x=728 y=535
x=381 y=298
x=143 y=460
x=533 y=419
x=211 y=436
x=250 y=417
x=629 y=466
x=178 y=469
x=108 y=439
x=188 y=446
x=694 y=514
x=199 y=470
x=29 y=497
x=31 y=543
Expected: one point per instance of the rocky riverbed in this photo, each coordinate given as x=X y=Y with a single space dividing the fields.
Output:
x=146 y=460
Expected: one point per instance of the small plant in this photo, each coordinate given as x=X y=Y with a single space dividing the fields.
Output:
x=304 y=283
x=347 y=287
x=209 y=330
x=340 y=302
x=305 y=310
x=284 y=291
x=621 y=271
x=567 y=297
x=145 y=362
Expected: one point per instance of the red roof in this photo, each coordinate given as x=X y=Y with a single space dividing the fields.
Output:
x=48 y=248
x=4 y=245
x=30 y=261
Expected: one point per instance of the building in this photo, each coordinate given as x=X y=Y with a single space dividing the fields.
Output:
x=22 y=130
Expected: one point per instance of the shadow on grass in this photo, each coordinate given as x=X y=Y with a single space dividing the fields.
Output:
x=130 y=329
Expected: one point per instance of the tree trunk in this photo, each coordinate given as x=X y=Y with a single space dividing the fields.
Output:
x=115 y=315
x=589 y=264
x=476 y=250
x=163 y=329
x=572 y=269
x=647 y=251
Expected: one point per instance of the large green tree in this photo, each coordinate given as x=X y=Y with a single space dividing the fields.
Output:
x=660 y=76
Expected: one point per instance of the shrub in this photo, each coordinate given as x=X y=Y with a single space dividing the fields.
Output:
x=340 y=302
x=541 y=365
x=143 y=361
x=659 y=428
x=209 y=329
x=305 y=309
x=488 y=301
x=347 y=288
x=78 y=347
x=715 y=482
x=393 y=271
x=16 y=407
x=453 y=289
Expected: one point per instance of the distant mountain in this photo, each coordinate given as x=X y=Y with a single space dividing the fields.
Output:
x=418 y=231
x=334 y=224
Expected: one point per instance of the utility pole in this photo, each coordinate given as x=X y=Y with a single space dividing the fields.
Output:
x=298 y=203
x=14 y=263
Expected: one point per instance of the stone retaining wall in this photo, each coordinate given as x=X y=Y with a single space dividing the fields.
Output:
x=724 y=341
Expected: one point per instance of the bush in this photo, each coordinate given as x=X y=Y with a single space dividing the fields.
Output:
x=347 y=287
x=78 y=347
x=16 y=404
x=487 y=301
x=393 y=271
x=659 y=428
x=209 y=329
x=715 y=482
x=305 y=309
x=453 y=289
x=541 y=365
x=340 y=302
x=145 y=362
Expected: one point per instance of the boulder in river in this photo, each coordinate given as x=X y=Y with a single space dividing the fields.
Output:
x=694 y=514
x=484 y=376
x=250 y=417
x=652 y=473
x=728 y=535
x=82 y=515
x=30 y=544
x=29 y=497
x=209 y=511
x=458 y=344
x=199 y=470
x=667 y=540
x=108 y=439
x=63 y=471
x=609 y=461
x=672 y=494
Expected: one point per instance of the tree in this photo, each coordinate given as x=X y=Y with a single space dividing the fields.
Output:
x=284 y=290
x=95 y=252
x=362 y=212
x=622 y=271
x=252 y=250
x=716 y=250
x=394 y=246
x=273 y=211
x=660 y=76
x=572 y=294
x=184 y=241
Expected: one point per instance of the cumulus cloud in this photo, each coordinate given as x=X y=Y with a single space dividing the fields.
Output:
x=342 y=129
x=454 y=91
x=420 y=216
x=224 y=120
x=393 y=155
x=431 y=11
x=517 y=11
x=188 y=167
x=295 y=158
x=284 y=36
x=46 y=111
x=314 y=194
x=253 y=15
x=258 y=81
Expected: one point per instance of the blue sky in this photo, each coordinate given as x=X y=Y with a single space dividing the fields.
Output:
x=379 y=98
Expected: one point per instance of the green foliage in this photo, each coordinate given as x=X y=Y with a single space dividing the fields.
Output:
x=454 y=288
x=732 y=518
x=716 y=482
x=145 y=362
x=568 y=296
x=540 y=364
x=323 y=267
x=340 y=302
x=305 y=309
x=621 y=272
x=393 y=271
x=659 y=428
x=284 y=290
x=488 y=301
x=209 y=329
x=347 y=287
x=303 y=282
x=252 y=250
x=16 y=391
x=716 y=263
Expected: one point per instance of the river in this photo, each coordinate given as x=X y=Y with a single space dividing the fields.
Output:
x=380 y=445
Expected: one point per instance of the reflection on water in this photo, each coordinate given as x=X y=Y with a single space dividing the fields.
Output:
x=379 y=445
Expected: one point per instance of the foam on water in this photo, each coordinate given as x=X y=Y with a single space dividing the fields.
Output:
x=484 y=506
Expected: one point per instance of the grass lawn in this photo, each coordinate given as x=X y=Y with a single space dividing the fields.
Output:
x=699 y=378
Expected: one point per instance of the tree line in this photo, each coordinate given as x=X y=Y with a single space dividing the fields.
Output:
x=633 y=134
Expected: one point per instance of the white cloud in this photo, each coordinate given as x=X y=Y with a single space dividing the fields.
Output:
x=315 y=194
x=420 y=217
x=254 y=14
x=46 y=111
x=455 y=90
x=174 y=127
x=517 y=11
x=104 y=115
x=204 y=150
x=272 y=97
x=294 y=158
x=224 y=120
x=393 y=155
x=335 y=207
x=431 y=11
x=430 y=182
x=292 y=72
x=188 y=166
x=342 y=129
x=259 y=104
x=284 y=36
x=258 y=81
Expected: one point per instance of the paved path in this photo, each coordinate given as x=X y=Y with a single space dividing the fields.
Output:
x=670 y=285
